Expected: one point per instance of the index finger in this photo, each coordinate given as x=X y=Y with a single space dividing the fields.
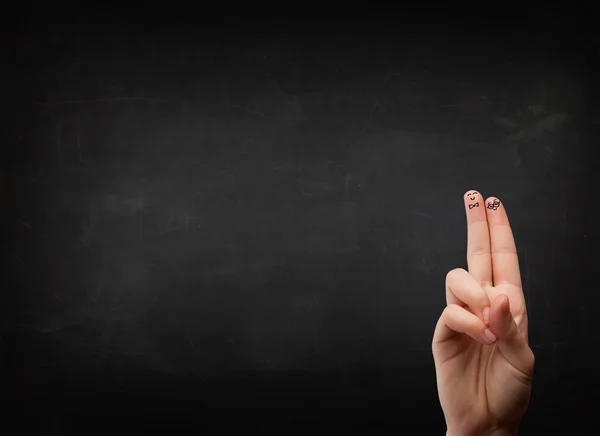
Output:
x=479 y=258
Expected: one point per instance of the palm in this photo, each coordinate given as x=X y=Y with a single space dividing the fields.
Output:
x=478 y=385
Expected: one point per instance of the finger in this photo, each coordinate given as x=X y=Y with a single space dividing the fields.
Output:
x=505 y=262
x=478 y=239
x=511 y=342
x=463 y=290
x=456 y=320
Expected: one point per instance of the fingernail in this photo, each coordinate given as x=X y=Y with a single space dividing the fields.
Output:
x=486 y=315
x=506 y=307
x=490 y=336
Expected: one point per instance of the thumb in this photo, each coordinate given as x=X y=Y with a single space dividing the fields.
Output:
x=511 y=342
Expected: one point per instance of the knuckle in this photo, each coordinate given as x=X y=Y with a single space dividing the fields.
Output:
x=450 y=310
x=484 y=299
x=479 y=251
x=453 y=273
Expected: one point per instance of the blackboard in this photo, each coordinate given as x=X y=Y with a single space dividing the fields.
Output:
x=260 y=224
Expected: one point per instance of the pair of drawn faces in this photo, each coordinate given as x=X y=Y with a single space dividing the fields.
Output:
x=493 y=205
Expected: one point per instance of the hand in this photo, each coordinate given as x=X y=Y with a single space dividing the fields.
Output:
x=483 y=362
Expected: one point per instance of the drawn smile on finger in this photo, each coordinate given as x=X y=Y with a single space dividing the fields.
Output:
x=471 y=196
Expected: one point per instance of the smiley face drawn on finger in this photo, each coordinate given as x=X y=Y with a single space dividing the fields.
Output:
x=493 y=204
x=471 y=195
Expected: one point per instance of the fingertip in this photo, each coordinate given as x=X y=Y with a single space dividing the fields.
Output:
x=501 y=319
x=471 y=193
x=492 y=203
x=474 y=205
x=502 y=303
x=490 y=336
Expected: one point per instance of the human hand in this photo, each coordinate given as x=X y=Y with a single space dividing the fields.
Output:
x=483 y=380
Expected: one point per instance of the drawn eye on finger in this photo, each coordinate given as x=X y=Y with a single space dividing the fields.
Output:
x=493 y=205
x=472 y=197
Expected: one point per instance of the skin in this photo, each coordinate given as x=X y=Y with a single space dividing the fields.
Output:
x=484 y=383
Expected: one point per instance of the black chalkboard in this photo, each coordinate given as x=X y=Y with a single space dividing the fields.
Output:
x=259 y=222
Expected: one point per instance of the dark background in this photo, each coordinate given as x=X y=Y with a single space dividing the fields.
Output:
x=217 y=218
